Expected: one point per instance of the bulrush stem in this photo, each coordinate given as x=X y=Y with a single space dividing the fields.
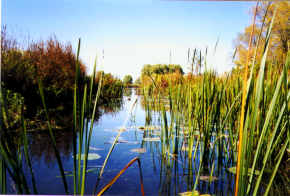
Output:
x=244 y=96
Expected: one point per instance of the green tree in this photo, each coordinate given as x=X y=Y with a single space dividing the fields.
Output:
x=128 y=79
x=161 y=69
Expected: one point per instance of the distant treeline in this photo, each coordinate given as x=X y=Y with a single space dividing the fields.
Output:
x=161 y=74
x=161 y=69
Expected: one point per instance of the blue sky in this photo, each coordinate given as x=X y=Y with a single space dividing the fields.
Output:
x=132 y=32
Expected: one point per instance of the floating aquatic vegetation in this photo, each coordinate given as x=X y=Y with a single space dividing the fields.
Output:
x=189 y=193
x=93 y=170
x=234 y=169
x=67 y=175
x=151 y=139
x=94 y=166
x=208 y=178
x=149 y=128
x=94 y=148
x=70 y=173
x=122 y=141
x=156 y=134
x=139 y=150
x=115 y=130
x=194 y=193
x=91 y=156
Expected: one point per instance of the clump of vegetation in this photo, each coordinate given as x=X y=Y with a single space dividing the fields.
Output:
x=50 y=61
x=53 y=63
x=163 y=75
x=112 y=87
x=203 y=114
x=128 y=80
x=161 y=69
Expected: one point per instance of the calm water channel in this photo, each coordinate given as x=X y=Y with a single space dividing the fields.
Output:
x=161 y=176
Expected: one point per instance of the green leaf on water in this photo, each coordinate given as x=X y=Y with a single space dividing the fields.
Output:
x=233 y=170
x=94 y=170
x=91 y=156
x=194 y=193
x=151 y=139
x=149 y=128
x=94 y=148
x=70 y=174
x=208 y=178
x=67 y=175
x=190 y=193
x=139 y=150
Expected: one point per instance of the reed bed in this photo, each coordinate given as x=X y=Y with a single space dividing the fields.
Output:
x=202 y=116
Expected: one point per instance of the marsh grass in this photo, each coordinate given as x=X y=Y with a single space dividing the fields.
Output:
x=211 y=105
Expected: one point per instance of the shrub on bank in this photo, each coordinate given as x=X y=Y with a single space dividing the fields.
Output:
x=54 y=64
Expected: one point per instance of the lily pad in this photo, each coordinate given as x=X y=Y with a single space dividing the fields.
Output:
x=67 y=175
x=151 y=139
x=233 y=170
x=156 y=134
x=91 y=156
x=94 y=170
x=189 y=193
x=194 y=193
x=149 y=128
x=121 y=141
x=70 y=174
x=94 y=148
x=139 y=150
x=208 y=178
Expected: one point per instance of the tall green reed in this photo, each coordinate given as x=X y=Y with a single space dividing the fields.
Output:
x=210 y=106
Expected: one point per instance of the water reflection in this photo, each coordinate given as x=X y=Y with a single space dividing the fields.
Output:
x=128 y=92
x=163 y=173
x=177 y=174
x=40 y=144
x=112 y=107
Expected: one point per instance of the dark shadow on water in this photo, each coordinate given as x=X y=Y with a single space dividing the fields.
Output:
x=40 y=144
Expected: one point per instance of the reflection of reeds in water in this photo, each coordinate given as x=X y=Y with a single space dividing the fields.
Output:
x=40 y=145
